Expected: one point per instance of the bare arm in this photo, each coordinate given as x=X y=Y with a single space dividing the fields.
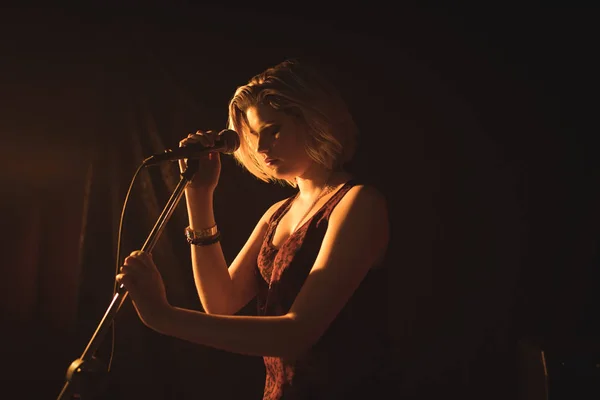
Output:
x=222 y=289
x=356 y=239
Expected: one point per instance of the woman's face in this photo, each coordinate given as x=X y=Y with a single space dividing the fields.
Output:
x=278 y=138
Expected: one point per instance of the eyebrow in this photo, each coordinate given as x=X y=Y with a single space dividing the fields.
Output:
x=266 y=125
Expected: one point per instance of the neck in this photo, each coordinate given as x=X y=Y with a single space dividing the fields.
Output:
x=312 y=186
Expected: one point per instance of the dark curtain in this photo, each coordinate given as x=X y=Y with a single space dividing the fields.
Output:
x=492 y=193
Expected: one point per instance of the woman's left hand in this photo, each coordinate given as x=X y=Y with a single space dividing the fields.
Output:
x=145 y=285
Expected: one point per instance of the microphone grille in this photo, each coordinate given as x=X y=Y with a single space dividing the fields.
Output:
x=230 y=140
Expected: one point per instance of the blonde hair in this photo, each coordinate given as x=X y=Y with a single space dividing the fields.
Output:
x=299 y=90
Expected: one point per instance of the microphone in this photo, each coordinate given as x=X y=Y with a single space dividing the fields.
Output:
x=227 y=142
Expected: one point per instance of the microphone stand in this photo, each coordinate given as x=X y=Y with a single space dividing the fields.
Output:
x=86 y=365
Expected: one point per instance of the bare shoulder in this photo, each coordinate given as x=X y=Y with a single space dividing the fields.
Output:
x=363 y=209
x=360 y=226
x=364 y=199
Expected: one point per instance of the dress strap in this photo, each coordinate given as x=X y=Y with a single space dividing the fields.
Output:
x=328 y=207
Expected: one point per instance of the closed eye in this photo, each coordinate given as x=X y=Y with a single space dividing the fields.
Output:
x=273 y=130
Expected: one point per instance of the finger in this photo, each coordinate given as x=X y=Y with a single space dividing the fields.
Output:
x=130 y=272
x=133 y=264
x=195 y=136
x=191 y=140
x=126 y=280
x=142 y=255
x=204 y=140
x=131 y=268
x=187 y=139
x=138 y=261
x=207 y=138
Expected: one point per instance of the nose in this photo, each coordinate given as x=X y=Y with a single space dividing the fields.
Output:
x=263 y=144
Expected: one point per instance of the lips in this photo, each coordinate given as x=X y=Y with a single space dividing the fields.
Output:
x=271 y=161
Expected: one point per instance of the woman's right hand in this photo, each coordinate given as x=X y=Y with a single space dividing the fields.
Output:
x=209 y=169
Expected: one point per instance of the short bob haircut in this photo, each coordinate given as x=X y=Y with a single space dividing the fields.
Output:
x=299 y=90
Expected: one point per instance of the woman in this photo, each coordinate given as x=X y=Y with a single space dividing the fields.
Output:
x=314 y=261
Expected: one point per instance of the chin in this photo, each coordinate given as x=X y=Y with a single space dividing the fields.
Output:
x=285 y=175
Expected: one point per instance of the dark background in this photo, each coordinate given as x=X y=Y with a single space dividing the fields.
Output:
x=478 y=124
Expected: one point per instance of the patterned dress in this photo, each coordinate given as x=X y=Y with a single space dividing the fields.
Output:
x=351 y=358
